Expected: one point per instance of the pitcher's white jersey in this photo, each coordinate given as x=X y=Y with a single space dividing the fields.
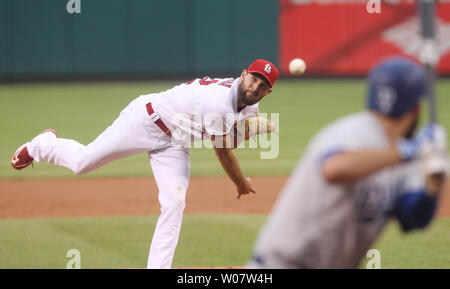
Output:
x=315 y=224
x=162 y=125
x=201 y=107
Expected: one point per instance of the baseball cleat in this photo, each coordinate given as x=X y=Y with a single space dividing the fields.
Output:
x=21 y=158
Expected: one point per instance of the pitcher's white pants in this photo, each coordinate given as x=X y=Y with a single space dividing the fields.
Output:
x=131 y=133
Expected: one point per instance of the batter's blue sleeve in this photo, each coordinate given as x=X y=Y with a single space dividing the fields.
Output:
x=415 y=210
x=328 y=154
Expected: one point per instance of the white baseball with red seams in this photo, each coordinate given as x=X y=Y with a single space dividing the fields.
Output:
x=297 y=66
x=191 y=110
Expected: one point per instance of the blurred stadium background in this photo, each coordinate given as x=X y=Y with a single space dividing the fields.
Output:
x=74 y=72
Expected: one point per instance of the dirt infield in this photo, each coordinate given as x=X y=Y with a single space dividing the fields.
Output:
x=136 y=196
x=127 y=196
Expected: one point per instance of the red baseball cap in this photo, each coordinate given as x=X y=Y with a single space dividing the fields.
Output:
x=266 y=69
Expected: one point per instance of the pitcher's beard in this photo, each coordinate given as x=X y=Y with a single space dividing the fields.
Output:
x=245 y=100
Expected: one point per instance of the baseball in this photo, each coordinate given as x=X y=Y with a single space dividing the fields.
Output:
x=297 y=66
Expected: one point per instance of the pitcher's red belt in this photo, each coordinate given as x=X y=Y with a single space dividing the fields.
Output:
x=157 y=119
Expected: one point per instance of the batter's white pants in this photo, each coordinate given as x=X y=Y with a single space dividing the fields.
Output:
x=131 y=133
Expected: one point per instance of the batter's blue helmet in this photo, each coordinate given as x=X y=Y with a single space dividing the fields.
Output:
x=395 y=86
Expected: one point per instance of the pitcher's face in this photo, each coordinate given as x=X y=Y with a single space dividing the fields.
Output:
x=252 y=88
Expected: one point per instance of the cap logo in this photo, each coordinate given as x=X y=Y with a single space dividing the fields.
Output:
x=386 y=99
x=267 y=68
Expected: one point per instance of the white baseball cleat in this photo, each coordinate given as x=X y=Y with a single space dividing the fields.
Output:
x=21 y=158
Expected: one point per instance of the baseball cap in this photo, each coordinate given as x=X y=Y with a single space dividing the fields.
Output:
x=266 y=69
x=395 y=86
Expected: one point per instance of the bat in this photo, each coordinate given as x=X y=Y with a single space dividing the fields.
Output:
x=428 y=55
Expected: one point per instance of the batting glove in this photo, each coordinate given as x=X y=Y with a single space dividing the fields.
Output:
x=430 y=140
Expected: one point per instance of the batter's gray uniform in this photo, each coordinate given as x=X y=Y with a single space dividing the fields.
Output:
x=315 y=224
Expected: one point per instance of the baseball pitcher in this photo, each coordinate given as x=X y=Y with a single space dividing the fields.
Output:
x=161 y=125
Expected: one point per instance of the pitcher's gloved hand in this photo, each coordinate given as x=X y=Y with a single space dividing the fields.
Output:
x=251 y=127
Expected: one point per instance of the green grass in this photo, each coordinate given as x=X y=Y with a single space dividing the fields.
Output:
x=83 y=110
x=124 y=242
x=428 y=248
x=205 y=241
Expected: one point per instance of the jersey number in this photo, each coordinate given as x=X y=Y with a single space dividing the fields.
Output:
x=207 y=81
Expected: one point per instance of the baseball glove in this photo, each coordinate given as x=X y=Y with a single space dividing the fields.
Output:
x=251 y=127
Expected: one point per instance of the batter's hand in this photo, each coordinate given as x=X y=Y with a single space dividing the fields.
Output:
x=430 y=139
x=245 y=188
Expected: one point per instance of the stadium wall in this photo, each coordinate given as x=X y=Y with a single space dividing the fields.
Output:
x=134 y=38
